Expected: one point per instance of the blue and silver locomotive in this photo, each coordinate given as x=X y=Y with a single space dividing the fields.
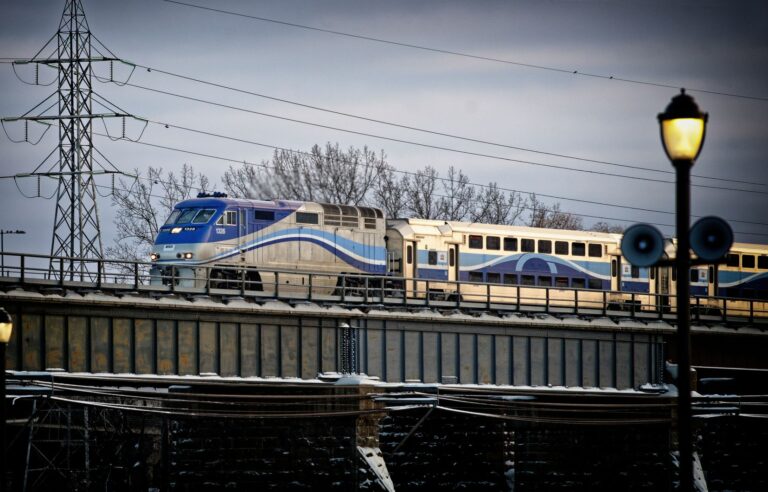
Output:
x=206 y=237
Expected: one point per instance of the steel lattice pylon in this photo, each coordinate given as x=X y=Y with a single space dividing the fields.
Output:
x=76 y=231
x=76 y=238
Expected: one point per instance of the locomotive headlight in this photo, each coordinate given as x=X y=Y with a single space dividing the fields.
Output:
x=187 y=256
x=176 y=230
x=154 y=256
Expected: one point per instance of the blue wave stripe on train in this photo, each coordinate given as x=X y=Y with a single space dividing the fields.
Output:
x=532 y=262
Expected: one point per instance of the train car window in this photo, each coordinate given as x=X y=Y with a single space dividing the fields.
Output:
x=528 y=246
x=432 y=257
x=578 y=249
x=494 y=278
x=561 y=281
x=674 y=274
x=545 y=246
x=172 y=218
x=510 y=278
x=306 y=218
x=694 y=275
x=370 y=223
x=595 y=250
x=732 y=260
x=492 y=242
x=527 y=280
x=578 y=283
x=451 y=257
x=748 y=261
x=561 y=247
x=652 y=272
x=711 y=275
x=263 y=215
x=187 y=215
x=228 y=218
x=614 y=268
x=475 y=276
x=510 y=244
x=476 y=242
x=635 y=272
x=409 y=254
x=545 y=281
x=594 y=283
x=762 y=262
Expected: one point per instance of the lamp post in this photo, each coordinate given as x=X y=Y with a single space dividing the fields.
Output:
x=6 y=327
x=683 y=128
x=2 y=248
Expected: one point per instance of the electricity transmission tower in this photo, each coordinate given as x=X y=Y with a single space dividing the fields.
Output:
x=76 y=230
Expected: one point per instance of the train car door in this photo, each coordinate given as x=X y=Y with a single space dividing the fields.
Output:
x=410 y=268
x=242 y=232
x=662 y=287
x=616 y=273
x=712 y=281
x=453 y=262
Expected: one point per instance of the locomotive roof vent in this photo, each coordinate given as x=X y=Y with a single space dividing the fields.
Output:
x=215 y=194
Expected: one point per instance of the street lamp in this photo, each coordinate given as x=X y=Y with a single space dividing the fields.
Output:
x=2 y=248
x=6 y=328
x=683 y=127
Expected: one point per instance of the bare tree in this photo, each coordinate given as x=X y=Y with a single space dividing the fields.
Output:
x=142 y=205
x=237 y=182
x=496 y=207
x=389 y=193
x=607 y=227
x=458 y=201
x=328 y=174
x=422 y=194
x=551 y=217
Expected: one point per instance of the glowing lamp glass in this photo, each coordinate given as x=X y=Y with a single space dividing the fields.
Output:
x=6 y=326
x=682 y=138
x=154 y=256
x=176 y=230
x=187 y=256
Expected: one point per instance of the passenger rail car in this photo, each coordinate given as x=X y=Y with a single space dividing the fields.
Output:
x=220 y=242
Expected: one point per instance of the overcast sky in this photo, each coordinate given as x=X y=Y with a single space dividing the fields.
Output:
x=713 y=45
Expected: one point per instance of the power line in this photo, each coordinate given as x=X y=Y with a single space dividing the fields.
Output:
x=410 y=173
x=422 y=130
x=430 y=146
x=245 y=162
x=468 y=55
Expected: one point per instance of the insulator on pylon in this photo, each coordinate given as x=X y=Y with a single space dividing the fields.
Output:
x=111 y=71
x=123 y=126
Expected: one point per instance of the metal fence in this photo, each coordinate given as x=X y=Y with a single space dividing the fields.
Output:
x=39 y=271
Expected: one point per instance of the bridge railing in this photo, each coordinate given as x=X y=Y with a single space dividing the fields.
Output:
x=295 y=285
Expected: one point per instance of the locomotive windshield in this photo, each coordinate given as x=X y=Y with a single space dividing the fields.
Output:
x=204 y=216
x=172 y=218
x=190 y=215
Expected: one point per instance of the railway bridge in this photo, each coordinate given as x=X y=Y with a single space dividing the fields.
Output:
x=258 y=381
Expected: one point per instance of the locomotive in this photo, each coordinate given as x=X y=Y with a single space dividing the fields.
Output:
x=266 y=245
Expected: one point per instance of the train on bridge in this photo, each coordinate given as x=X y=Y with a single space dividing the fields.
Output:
x=223 y=242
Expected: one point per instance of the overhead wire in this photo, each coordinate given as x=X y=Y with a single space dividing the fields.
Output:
x=411 y=173
x=423 y=130
x=468 y=55
x=436 y=147
x=245 y=162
